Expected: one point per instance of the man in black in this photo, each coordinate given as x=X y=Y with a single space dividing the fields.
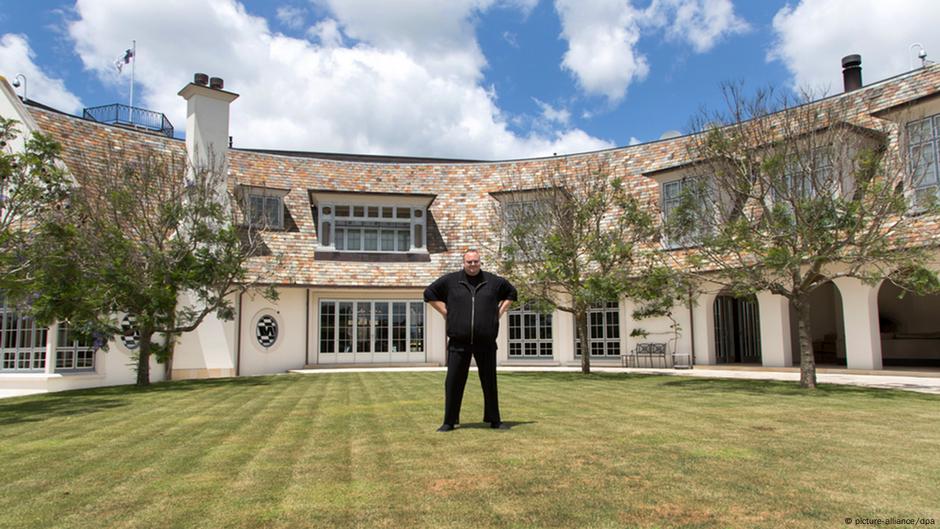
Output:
x=472 y=302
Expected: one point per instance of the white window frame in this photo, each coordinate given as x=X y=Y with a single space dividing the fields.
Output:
x=806 y=186
x=609 y=344
x=341 y=219
x=272 y=201
x=411 y=337
x=668 y=203
x=15 y=356
x=520 y=345
x=511 y=208
x=72 y=353
x=930 y=142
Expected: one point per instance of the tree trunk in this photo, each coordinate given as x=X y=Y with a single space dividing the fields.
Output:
x=143 y=358
x=170 y=349
x=581 y=328
x=807 y=359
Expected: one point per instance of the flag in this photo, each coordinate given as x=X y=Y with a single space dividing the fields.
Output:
x=124 y=59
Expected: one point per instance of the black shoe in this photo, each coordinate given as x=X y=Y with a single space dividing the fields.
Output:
x=446 y=427
x=499 y=426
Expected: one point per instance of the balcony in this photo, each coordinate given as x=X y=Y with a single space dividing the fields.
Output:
x=131 y=116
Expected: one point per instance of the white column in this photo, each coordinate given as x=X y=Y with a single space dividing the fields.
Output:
x=776 y=349
x=563 y=336
x=627 y=324
x=703 y=329
x=436 y=337
x=52 y=342
x=862 y=330
x=502 y=340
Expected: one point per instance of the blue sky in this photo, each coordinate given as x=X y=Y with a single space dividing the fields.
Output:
x=484 y=79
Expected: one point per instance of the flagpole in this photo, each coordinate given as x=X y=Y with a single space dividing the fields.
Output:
x=133 y=67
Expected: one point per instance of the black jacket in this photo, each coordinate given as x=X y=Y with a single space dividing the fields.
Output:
x=472 y=313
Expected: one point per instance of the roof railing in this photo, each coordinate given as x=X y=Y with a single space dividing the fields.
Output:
x=132 y=116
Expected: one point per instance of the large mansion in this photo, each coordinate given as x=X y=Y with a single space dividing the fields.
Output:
x=359 y=237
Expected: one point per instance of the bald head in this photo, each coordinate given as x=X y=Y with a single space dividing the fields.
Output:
x=471 y=262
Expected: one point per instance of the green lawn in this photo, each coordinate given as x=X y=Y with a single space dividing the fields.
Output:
x=360 y=450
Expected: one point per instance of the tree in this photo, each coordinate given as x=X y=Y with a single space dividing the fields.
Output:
x=785 y=197
x=32 y=187
x=572 y=240
x=147 y=235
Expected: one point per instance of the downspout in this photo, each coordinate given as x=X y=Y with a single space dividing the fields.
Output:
x=307 y=332
x=691 y=327
x=238 y=337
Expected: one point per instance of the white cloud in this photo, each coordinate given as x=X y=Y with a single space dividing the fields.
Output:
x=553 y=115
x=291 y=16
x=392 y=92
x=701 y=23
x=813 y=36
x=438 y=35
x=634 y=141
x=603 y=36
x=327 y=33
x=525 y=6
x=16 y=57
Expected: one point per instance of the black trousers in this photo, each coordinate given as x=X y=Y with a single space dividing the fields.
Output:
x=458 y=366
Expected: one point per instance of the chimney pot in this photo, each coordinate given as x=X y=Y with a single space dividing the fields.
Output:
x=217 y=83
x=201 y=79
x=852 y=72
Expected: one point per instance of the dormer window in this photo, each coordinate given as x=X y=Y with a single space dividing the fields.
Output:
x=688 y=211
x=372 y=223
x=374 y=228
x=924 y=152
x=805 y=177
x=526 y=220
x=266 y=212
x=263 y=207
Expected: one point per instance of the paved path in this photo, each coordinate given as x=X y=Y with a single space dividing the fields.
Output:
x=923 y=382
x=17 y=392
x=914 y=382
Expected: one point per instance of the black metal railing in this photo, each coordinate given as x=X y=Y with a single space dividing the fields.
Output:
x=128 y=115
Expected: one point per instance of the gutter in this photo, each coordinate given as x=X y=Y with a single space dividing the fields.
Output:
x=691 y=328
x=307 y=331
x=238 y=337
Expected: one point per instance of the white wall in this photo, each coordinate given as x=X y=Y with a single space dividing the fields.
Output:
x=208 y=351
x=12 y=108
x=658 y=330
x=289 y=350
x=118 y=365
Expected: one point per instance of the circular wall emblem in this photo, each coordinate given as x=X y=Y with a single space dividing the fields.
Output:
x=266 y=331
x=130 y=334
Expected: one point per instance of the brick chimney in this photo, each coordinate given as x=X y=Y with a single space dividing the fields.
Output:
x=207 y=118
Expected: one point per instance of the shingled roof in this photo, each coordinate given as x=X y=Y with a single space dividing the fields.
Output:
x=462 y=212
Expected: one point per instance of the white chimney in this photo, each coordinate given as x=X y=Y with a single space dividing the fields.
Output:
x=207 y=111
